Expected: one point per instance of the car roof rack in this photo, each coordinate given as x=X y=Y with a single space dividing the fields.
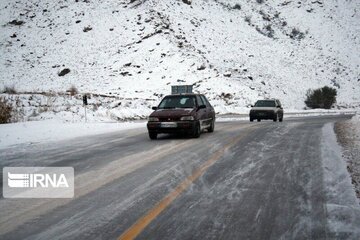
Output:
x=181 y=89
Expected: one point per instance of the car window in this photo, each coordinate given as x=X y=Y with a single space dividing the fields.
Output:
x=200 y=101
x=205 y=101
x=177 y=102
x=265 y=103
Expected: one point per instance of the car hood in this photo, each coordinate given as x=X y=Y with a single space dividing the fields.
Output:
x=264 y=108
x=178 y=112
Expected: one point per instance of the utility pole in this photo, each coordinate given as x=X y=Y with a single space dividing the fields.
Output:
x=85 y=103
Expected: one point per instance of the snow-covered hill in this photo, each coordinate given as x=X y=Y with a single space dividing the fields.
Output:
x=234 y=51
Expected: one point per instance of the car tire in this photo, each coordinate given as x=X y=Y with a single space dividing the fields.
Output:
x=196 y=131
x=280 y=119
x=212 y=126
x=152 y=135
x=251 y=119
x=275 y=118
x=259 y=120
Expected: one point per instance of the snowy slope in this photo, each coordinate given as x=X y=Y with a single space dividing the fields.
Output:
x=138 y=48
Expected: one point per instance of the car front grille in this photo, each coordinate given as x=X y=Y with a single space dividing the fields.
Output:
x=266 y=112
x=169 y=119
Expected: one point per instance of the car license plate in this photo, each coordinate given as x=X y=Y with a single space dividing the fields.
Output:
x=168 y=124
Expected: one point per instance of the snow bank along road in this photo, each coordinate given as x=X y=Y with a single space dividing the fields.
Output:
x=244 y=181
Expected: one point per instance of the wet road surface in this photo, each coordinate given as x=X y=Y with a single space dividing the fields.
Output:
x=244 y=181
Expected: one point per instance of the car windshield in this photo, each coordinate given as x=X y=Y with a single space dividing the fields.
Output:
x=178 y=102
x=265 y=103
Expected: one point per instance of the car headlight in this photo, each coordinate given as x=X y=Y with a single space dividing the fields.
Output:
x=187 y=118
x=153 y=119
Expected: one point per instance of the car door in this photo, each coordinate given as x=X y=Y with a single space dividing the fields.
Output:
x=202 y=113
x=280 y=110
x=210 y=109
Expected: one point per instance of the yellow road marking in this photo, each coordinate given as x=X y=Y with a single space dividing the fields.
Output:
x=145 y=220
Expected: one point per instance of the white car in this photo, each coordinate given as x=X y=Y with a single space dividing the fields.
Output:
x=267 y=109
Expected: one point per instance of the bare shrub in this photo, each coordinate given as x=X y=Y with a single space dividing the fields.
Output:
x=72 y=91
x=10 y=89
x=269 y=31
x=237 y=6
x=96 y=106
x=296 y=34
x=6 y=111
x=323 y=97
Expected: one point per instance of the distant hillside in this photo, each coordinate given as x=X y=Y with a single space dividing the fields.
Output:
x=233 y=51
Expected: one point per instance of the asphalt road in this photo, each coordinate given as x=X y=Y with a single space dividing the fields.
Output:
x=244 y=181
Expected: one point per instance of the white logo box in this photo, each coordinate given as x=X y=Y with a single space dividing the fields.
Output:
x=38 y=182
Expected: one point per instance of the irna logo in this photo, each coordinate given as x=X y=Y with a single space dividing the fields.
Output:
x=37 y=180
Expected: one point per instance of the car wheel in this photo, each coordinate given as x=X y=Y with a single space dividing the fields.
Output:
x=259 y=120
x=212 y=126
x=152 y=135
x=280 y=119
x=251 y=119
x=275 y=118
x=197 y=131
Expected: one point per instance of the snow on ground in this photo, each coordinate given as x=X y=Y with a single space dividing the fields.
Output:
x=137 y=50
x=348 y=134
x=342 y=206
x=53 y=130
x=317 y=112
x=355 y=122
x=289 y=113
x=44 y=131
x=63 y=107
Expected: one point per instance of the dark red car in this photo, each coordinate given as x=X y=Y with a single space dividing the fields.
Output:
x=183 y=113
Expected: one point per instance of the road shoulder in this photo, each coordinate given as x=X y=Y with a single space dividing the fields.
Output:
x=35 y=132
x=342 y=205
x=348 y=136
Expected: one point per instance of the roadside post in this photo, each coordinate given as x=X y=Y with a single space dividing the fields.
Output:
x=85 y=102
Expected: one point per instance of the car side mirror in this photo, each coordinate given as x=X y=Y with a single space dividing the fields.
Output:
x=201 y=107
x=154 y=108
x=251 y=105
